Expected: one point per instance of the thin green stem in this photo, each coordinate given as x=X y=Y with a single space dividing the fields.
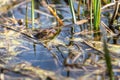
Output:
x=32 y=13
x=91 y=16
x=72 y=11
x=97 y=12
x=26 y=16
x=108 y=61
x=79 y=10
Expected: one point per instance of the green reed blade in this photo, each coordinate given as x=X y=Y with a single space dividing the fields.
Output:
x=108 y=61
x=91 y=23
x=79 y=10
x=26 y=16
x=97 y=12
x=32 y=13
x=72 y=11
x=108 y=1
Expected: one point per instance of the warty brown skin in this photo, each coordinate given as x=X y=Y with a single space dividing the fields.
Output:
x=45 y=34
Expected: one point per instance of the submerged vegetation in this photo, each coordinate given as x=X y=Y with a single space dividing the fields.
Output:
x=59 y=39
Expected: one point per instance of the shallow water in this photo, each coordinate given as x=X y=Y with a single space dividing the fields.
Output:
x=20 y=48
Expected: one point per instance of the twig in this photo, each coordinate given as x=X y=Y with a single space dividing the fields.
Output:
x=108 y=5
x=114 y=15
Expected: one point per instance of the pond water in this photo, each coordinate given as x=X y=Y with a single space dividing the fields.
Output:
x=67 y=55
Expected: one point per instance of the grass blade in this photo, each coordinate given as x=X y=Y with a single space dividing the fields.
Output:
x=108 y=61
x=72 y=11
x=91 y=23
x=78 y=10
x=32 y=13
x=26 y=16
x=97 y=13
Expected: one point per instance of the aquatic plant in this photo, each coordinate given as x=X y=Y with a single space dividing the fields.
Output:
x=32 y=13
x=72 y=11
x=108 y=61
x=97 y=13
